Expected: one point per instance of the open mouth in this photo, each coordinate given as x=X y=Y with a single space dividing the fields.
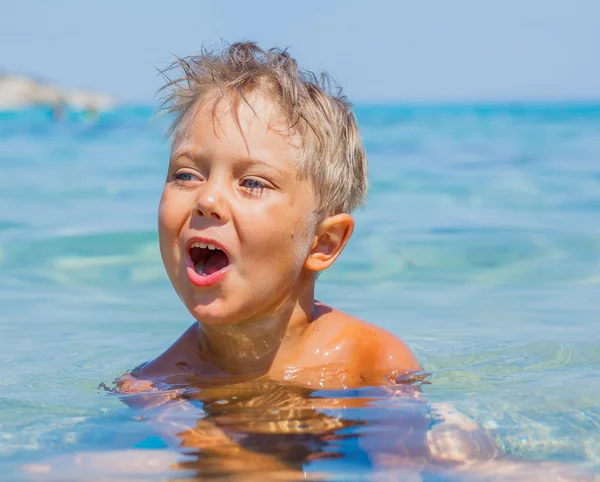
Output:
x=207 y=258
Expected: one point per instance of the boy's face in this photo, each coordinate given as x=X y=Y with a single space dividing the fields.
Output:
x=235 y=186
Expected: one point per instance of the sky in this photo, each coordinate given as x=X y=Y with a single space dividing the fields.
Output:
x=379 y=51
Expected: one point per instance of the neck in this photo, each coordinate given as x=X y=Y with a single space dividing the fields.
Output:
x=251 y=347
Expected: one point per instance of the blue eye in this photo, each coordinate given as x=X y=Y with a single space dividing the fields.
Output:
x=253 y=184
x=184 y=176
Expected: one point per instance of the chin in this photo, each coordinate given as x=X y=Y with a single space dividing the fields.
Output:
x=213 y=313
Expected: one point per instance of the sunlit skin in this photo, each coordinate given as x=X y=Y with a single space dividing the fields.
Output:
x=234 y=183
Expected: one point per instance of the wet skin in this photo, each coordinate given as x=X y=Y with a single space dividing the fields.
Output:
x=233 y=183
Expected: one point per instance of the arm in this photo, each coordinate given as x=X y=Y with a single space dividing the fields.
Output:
x=386 y=357
x=394 y=354
x=216 y=448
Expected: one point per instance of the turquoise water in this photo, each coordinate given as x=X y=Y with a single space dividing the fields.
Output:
x=480 y=247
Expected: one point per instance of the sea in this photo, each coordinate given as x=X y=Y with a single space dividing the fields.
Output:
x=479 y=246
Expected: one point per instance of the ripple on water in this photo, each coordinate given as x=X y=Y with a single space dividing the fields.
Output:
x=94 y=259
x=479 y=246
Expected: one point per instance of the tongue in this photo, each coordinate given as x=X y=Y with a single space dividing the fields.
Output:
x=215 y=261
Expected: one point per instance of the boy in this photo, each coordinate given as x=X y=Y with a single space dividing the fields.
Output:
x=266 y=167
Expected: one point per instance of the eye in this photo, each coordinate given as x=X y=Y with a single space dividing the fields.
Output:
x=185 y=176
x=253 y=185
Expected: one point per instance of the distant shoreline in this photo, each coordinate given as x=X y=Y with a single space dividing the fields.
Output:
x=20 y=91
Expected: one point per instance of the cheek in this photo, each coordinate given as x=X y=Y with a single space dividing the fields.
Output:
x=163 y=221
x=302 y=239
x=170 y=212
x=169 y=222
x=282 y=238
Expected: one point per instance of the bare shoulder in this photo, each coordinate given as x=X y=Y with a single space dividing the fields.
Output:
x=175 y=361
x=360 y=341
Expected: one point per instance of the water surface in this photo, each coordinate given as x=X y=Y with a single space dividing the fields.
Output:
x=480 y=247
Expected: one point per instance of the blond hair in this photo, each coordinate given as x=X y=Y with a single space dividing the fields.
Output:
x=333 y=157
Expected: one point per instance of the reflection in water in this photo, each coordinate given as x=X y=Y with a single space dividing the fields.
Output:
x=269 y=428
x=264 y=430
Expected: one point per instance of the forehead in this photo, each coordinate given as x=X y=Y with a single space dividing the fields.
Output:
x=254 y=124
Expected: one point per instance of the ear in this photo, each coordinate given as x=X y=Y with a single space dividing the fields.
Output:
x=332 y=235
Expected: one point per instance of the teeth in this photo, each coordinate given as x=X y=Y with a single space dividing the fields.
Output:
x=200 y=270
x=203 y=246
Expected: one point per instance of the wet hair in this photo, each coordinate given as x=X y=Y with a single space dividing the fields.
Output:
x=332 y=156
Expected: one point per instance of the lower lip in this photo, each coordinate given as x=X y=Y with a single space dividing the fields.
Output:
x=208 y=280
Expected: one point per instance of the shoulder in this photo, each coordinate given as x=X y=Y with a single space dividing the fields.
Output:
x=362 y=342
x=174 y=362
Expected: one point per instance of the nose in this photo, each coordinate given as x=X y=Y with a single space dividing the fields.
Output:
x=211 y=202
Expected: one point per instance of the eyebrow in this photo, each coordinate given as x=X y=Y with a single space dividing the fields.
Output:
x=193 y=155
x=258 y=162
x=198 y=156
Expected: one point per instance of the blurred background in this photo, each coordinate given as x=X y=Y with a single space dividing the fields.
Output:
x=480 y=244
x=380 y=52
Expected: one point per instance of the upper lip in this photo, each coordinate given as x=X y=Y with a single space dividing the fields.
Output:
x=205 y=240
